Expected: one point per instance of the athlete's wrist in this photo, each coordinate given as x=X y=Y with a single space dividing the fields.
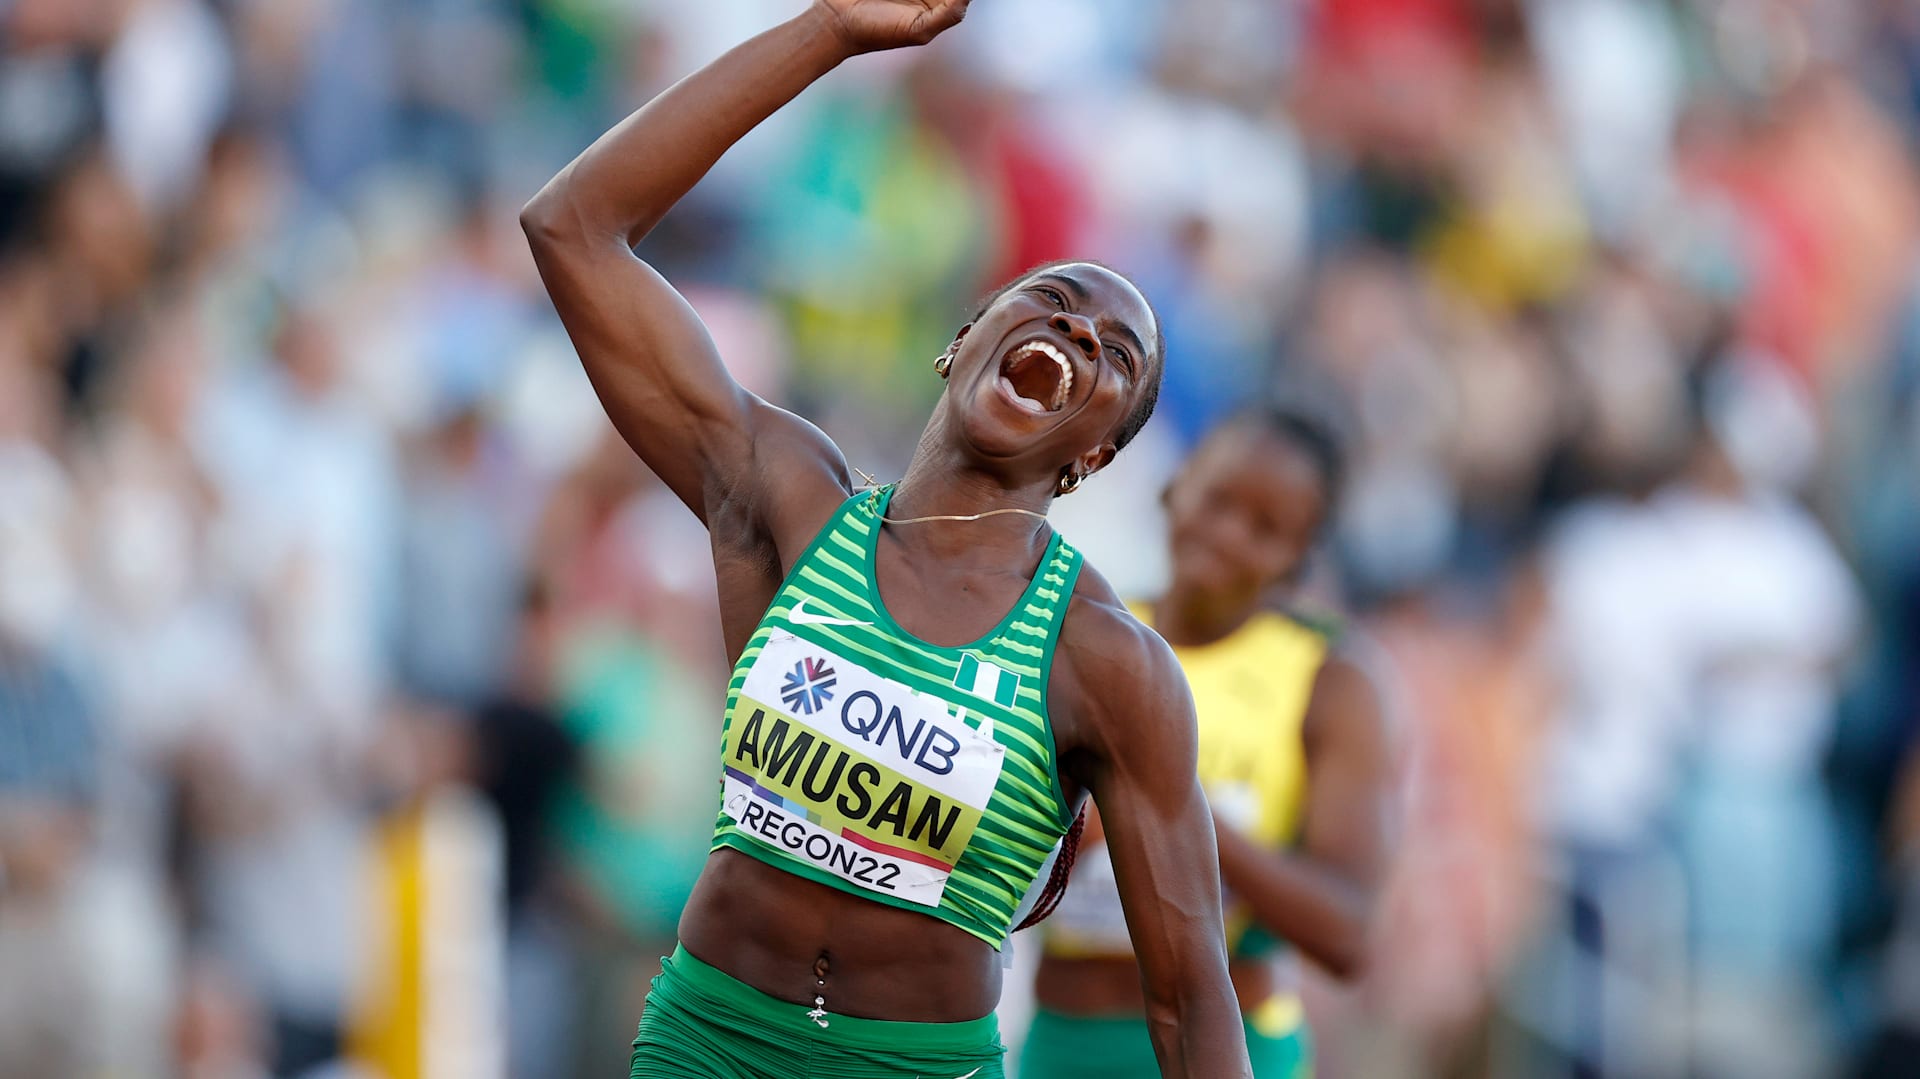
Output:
x=822 y=37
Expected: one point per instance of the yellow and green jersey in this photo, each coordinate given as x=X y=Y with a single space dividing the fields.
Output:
x=915 y=775
x=1250 y=694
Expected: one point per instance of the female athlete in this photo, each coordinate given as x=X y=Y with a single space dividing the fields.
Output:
x=926 y=681
x=1292 y=757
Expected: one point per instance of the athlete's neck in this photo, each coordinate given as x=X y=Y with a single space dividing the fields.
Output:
x=1191 y=617
x=931 y=491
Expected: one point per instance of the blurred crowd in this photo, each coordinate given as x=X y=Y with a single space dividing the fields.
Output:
x=358 y=688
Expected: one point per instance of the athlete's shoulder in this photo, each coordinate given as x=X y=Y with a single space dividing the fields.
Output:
x=1115 y=655
x=803 y=483
x=1118 y=685
x=1355 y=696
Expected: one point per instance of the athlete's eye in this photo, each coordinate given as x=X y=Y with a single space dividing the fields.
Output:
x=1124 y=358
x=1054 y=296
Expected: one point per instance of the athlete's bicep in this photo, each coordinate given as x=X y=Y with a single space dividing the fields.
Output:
x=1159 y=831
x=1159 y=835
x=661 y=379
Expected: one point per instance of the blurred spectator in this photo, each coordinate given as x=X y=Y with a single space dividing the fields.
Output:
x=525 y=758
x=631 y=638
x=1474 y=693
x=50 y=736
x=1702 y=632
x=49 y=990
x=460 y=561
x=1895 y=1049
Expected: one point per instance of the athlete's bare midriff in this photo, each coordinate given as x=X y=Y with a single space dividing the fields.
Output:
x=771 y=930
x=1108 y=987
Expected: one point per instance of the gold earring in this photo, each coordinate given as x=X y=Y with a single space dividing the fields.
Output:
x=944 y=364
x=1070 y=483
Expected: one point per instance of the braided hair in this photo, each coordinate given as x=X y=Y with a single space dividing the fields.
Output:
x=1056 y=886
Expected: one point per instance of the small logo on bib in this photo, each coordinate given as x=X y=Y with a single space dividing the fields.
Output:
x=809 y=686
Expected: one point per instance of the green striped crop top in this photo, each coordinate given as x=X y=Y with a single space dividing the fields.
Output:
x=856 y=755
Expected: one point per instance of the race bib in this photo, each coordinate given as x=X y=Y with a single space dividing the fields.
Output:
x=855 y=774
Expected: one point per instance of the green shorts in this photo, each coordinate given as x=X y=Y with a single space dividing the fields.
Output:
x=702 y=1024
x=1118 y=1047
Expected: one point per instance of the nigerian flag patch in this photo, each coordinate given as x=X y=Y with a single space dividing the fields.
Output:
x=983 y=679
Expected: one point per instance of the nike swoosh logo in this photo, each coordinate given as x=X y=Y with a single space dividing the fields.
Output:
x=969 y=1075
x=799 y=617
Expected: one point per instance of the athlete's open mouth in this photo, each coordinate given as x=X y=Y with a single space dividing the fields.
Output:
x=1039 y=375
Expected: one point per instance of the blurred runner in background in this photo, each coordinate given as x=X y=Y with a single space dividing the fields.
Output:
x=1293 y=756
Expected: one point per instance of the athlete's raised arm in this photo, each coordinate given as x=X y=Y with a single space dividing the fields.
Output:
x=1321 y=896
x=650 y=359
x=1134 y=747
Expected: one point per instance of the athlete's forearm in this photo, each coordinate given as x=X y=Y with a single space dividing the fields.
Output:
x=1192 y=1012
x=1315 y=908
x=1160 y=837
x=1202 y=1036
x=624 y=183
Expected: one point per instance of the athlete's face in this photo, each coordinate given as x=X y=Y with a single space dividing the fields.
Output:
x=1243 y=513
x=1048 y=373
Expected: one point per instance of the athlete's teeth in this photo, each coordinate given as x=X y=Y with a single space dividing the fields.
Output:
x=1064 y=391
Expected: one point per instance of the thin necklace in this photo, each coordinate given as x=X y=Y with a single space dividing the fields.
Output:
x=960 y=517
x=871 y=482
